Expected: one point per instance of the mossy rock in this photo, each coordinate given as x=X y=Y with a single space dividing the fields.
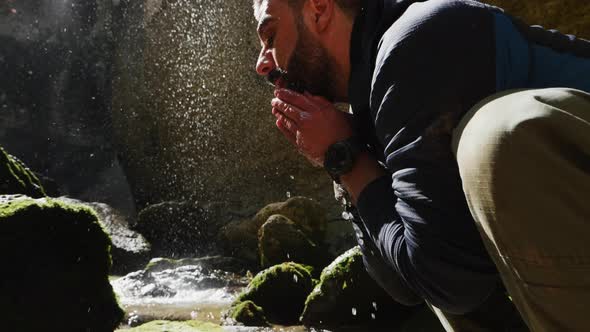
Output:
x=16 y=178
x=168 y=326
x=281 y=240
x=280 y=291
x=57 y=263
x=247 y=313
x=567 y=16
x=240 y=238
x=347 y=295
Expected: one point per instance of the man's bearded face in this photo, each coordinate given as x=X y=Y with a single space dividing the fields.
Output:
x=309 y=68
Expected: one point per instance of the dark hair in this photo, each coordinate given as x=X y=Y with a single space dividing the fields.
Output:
x=349 y=7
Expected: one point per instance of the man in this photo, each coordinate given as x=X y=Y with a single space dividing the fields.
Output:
x=464 y=160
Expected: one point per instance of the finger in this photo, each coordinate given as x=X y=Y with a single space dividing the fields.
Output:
x=286 y=122
x=296 y=99
x=292 y=112
x=288 y=134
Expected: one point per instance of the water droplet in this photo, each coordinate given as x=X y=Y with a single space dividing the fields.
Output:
x=347 y=215
x=288 y=194
x=194 y=314
x=295 y=278
x=288 y=256
x=375 y=305
x=372 y=315
x=353 y=311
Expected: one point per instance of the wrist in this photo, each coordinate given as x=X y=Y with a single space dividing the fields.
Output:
x=365 y=170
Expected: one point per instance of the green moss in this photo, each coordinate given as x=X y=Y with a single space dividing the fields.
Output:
x=57 y=261
x=281 y=291
x=346 y=295
x=16 y=178
x=248 y=313
x=168 y=326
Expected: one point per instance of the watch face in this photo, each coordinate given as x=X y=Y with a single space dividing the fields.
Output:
x=338 y=159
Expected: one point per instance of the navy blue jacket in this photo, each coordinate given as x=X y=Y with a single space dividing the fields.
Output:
x=417 y=67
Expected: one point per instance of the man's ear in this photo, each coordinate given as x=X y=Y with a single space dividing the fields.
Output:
x=321 y=12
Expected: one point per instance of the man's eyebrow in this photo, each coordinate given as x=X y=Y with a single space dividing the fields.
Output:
x=266 y=20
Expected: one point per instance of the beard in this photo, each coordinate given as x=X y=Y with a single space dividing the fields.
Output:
x=310 y=67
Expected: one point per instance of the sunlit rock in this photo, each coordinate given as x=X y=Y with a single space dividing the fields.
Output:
x=56 y=260
x=193 y=119
x=240 y=238
x=346 y=295
x=280 y=291
x=229 y=264
x=281 y=240
x=130 y=250
x=246 y=313
x=567 y=16
x=16 y=178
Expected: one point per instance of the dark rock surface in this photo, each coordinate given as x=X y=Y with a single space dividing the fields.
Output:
x=55 y=94
x=281 y=240
x=57 y=263
x=178 y=229
x=130 y=250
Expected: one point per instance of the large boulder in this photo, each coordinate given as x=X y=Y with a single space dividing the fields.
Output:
x=567 y=16
x=346 y=295
x=55 y=94
x=281 y=240
x=16 y=178
x=57 y=262
x=241 y=238
x=178 y=229
x=280 y=291
x=130 y=250
x=191 y=115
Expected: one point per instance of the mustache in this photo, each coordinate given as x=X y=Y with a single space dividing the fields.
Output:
x=274 y=75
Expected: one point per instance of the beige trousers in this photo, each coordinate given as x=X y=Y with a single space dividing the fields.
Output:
x=524 y=160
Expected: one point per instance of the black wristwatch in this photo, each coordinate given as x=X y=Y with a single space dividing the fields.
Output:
x=340 y=157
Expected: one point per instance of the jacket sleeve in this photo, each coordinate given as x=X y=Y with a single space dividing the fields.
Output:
x=434 y=63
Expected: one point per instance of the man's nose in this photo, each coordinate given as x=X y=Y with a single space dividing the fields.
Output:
x=265 y=63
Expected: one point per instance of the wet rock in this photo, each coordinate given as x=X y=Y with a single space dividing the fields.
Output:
x=229 y=264
x=240 y=238
x=280 y=291
x=16 y=178
x=281 y=240
x=248 y=314
x=177 y=229
x=130 y=250
x=156 y=290
x=166 y=278
x=57 y=261
x=347 y=295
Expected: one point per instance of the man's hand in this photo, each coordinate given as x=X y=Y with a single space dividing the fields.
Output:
x=311 y=123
